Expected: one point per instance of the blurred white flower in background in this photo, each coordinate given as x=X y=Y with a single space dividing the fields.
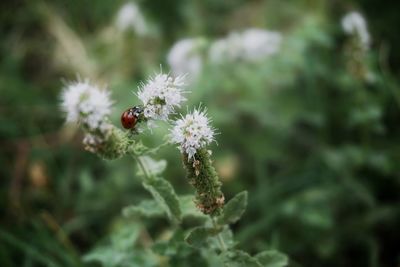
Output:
x=87 y=104
x=251 y=45
x=130 y=16
x=161 y=95
x=185 y=57
x=258 y=44
x=226 y=49
x=354 y=23
x=192 y=132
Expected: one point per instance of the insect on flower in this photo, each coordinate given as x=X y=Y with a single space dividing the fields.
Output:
x=130 y=117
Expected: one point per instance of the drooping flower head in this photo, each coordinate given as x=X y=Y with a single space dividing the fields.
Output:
x=86 y=104
x=192 y=132
x=354 y=23
x=161 y=95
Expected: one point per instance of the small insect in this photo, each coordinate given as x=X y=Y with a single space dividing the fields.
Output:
x=130 y=117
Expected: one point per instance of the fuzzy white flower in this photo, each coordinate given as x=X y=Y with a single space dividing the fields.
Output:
x=192 y=132
x=185 y=58
x=130 y=17
x=250 y=45
x=85 y=103
x=354 y=23
x=161 y=95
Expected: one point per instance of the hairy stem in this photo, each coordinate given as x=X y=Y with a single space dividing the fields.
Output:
x=219 y=237
x=143 y=167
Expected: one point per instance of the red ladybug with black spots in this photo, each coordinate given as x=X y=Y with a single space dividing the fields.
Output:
x=130 y=117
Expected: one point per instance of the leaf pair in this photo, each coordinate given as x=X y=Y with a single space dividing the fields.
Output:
x=232 y=212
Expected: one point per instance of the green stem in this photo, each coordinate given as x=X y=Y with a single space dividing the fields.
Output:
x=142 y=166
x=219 y=237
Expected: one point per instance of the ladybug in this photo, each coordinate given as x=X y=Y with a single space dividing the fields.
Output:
x=130 y=117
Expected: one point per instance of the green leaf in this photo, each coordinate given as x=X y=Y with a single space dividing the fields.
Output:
x=153 y=167
x=146 y=208
x=198 y=236
x=239 y=258
x=164 y=194
x=234 y=209
x=272 y=258
x=151 y=209
x=227 y=236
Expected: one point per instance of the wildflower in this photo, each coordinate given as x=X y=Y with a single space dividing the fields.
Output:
x=185 y=58
x=355 y=24
x=87 y=104
x=161 y=95
x=192 y=132
x=130 y=17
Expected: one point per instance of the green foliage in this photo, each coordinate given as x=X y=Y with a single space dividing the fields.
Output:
x=152 y=209
x=238 y=258
x=198 y=236
x=121 y=250
x=234 y=209
x=165 y=195
x=271 y=258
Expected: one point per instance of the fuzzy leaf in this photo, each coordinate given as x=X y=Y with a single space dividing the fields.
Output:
x=198 y=236
x=239 y=258
x=226 y=235
x=151 y=209
x=234 y=209
x=272 y=258
x=146 y=208
x=153 y=167
x=165 y=195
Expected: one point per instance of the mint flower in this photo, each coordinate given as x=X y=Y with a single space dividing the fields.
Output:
x=86 y=104
x=192 y=132
x=161 y=95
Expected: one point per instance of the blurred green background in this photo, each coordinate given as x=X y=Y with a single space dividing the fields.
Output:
x=316 y=145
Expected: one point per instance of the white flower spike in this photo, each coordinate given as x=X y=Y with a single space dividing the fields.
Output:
x=87 y=104
x=192 y=132
x=161 y=95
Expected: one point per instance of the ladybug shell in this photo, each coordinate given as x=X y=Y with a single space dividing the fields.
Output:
x=128 y=119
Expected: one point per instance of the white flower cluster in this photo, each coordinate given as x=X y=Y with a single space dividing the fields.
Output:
x=354 y=23
x=87 y=104
x=192 y=132
x=250 y=45
x=130 y=17
x=185 y=58
x=161 y=95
